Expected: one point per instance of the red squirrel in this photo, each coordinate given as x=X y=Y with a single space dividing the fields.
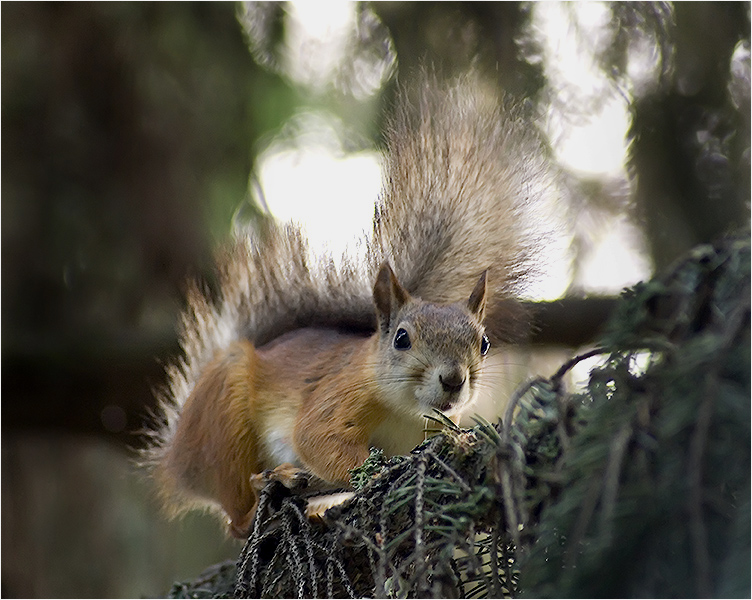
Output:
x=302 y=365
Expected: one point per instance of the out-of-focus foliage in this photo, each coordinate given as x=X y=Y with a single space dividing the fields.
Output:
x=691 y=154
x=127 y=131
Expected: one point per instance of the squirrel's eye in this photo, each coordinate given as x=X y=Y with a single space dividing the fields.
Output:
x=402 y=340
x=485 y=344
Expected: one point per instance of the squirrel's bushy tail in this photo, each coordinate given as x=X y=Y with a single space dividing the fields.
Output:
x=463 y=175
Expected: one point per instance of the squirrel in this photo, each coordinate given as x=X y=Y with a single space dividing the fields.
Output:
x=300 y=365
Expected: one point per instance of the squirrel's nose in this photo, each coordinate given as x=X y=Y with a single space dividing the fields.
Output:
x=452 y=381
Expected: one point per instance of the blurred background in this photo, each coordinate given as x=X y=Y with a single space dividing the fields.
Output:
x=134 y=135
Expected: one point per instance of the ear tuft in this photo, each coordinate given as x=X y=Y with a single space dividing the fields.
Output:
x=477 y=301
x=388 y=296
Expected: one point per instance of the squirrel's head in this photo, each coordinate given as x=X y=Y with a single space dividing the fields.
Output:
x=430 y=355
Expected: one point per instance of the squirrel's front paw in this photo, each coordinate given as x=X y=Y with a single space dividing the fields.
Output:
x=292 y=477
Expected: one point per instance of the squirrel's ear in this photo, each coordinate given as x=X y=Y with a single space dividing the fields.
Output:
x=388 y=295
x=477 y=301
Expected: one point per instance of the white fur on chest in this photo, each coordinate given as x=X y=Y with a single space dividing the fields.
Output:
x=279 y=448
